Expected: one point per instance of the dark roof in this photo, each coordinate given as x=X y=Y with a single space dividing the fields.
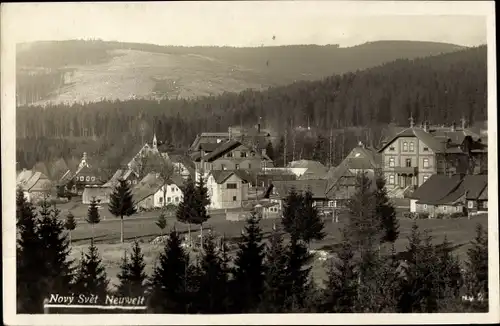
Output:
x=151 y=183
x=335 y=174
x=131 y=154
x=484 y=194
x=317 y=187
x=436 y=187
x=220 y=176
x=474 y=185
x=221 y=150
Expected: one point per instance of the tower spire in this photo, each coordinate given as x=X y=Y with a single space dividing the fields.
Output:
x=155 y=142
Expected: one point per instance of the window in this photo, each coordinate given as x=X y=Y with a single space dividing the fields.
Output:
x=444 y=208
x=169 y=199
x=172 y=189
x=391 y=148
x=412 y=146
x=408 y=162
x=392 y=162
x=485 y=204
x=426 y=162
x=470 y=204
x=425 y=206
x=222 y=167
x=161 y=200
x=229 y=154
x=405 y=147
x=243 y=154
x=134 y=182
x=231 y=186
x=426 y=149
x=93 y=178
x=87 y=178
x=332 y=203
x=391 y=179
x=253 y=154
x=237 y=166
x=176 y=199
x=234 y=198
x=249 y=165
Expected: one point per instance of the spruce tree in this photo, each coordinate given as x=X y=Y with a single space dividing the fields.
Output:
x=249 y=268
x=291 y=214
x=363 y=229
x=270 y=150
x=201 y=203
x=387 y=291
x=476 y=268
x=121 y=203
x=386 y=213
x=450 y=279
x=162 y=222
x=273 y=298
x=319 y=153
x=212 y=294
x=312 y=224
x=55 y=249
x=93 y=216
x=132 y=275
x=29 y=258
x=187 y=208
x=91 y=276
x=297 y=275
x=70 y=224
x=168 y=286
x=342 y=282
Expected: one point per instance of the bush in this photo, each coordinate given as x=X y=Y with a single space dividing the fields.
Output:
x=407 y=215
x=457 y=215
x=423 y=215
x=440 y=216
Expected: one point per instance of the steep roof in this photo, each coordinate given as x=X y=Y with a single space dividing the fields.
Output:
x=184 y=160
x=317 y=187
x=222 y=149
x=335 y=174
x=470 y=186
x=484 y=194
x=220 y=176
x=436 y=187
x=474 y=185
x=36 y=182
x=148 y=186
x=432 y=142
x=23 y=176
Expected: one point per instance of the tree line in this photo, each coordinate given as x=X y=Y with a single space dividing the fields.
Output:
x=365 y=274
x=354 y=105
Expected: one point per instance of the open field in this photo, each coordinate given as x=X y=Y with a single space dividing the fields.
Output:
x=107 y=233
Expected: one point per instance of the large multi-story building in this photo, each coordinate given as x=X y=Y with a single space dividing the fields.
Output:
x=416 y=153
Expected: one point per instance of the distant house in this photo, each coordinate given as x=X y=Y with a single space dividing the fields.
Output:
x=227 y=189
x=442 y=194
x=267 y=208
x=234 y=155
x=103 y=192
x=313 y=169
x=362 y=158
x=183 y=165
x=151 y=190
x=86 y=175
x=281 y=190
x=134 y=159
x=341 y=185
x=34 y=185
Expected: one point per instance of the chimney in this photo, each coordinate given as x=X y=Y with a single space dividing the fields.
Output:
x=453 y=126
x=230 y=132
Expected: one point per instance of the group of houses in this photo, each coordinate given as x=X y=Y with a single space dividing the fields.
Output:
x=441 y=169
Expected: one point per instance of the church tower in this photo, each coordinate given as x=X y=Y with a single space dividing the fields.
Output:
x=155 y=142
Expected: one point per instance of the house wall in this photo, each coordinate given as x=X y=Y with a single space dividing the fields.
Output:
x=417 y=156
x=173 y=195
x=181 y=169
x=224 y=163
x=222 y=197
x=146 y=203
x=99 y=193
x=434 y=210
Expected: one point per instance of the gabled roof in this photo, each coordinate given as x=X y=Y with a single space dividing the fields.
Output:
x=335 y=174
x=185 y=160
x=148 y=186
x=36 y=182
x=317 y=187
x=222 y=149
x=119 y=174
x=24 y=176
x=484 y=194
x=474 y=185
x=436 y=187
x=220 y=176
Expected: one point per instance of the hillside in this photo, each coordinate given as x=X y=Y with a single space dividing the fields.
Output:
x=353 y=106
x=88 y=71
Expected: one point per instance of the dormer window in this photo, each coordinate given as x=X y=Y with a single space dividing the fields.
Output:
x=405 y=147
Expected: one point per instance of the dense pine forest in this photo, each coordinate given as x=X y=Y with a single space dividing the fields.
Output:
x=351 y=107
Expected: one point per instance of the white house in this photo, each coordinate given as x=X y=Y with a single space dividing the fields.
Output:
x=151 y=192
x=227 y=189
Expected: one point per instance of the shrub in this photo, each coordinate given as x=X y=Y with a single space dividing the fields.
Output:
x=407 y=215
x=423 y=215
x=440 y=216
x=456 y=215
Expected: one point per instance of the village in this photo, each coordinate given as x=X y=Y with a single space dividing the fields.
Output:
x=430 y=172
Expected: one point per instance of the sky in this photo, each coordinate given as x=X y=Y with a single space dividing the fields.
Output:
x=250 y=23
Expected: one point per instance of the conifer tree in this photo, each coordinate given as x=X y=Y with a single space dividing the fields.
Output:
x=386 y=285
x=55 y=248
x=132 y=275
x=319 y=153
x=70 y=224
x=273 y=298
x=162 y=222
x=202 y=201
x=291 y=213
x=91 y=276
x=270 y=150
x=363 y=229
x=342 y=283
x=93 y=216
x=212 y=294
x=187 y=208
x=386 y=213
x=168 y=286
x=449 y=275
x=249 y=268
x=121 y=203
x=312 y=224
x=29 y=258
x=477 y=266
x=297 y=275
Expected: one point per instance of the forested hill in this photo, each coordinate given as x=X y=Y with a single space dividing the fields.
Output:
x=82 y=71
x=440 y=89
